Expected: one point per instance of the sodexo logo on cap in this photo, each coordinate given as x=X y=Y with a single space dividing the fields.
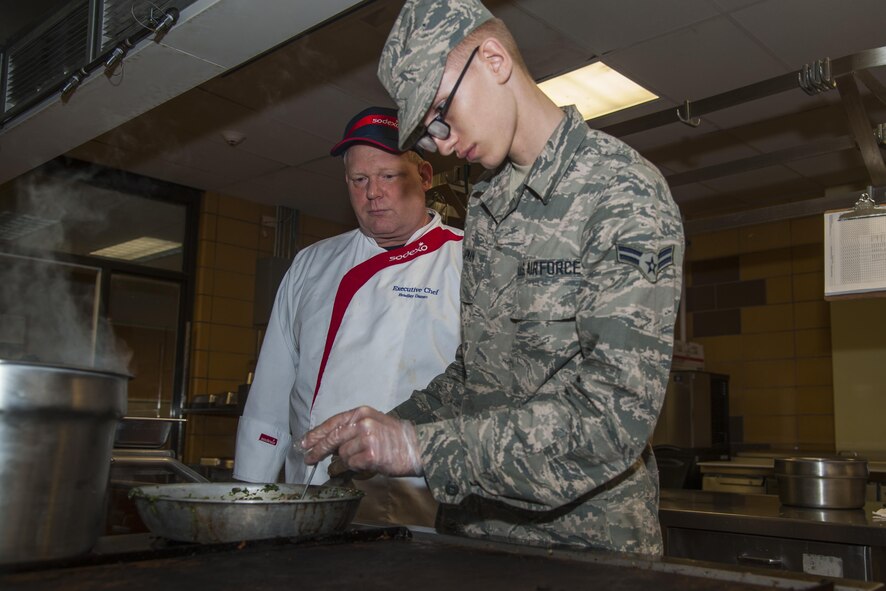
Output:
x=375 y=126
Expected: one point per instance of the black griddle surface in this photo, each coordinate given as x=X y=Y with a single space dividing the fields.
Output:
x=384 y=562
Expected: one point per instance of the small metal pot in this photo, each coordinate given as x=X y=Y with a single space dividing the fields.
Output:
x=822 y=482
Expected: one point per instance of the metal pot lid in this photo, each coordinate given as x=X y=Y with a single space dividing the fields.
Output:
x=822 y=467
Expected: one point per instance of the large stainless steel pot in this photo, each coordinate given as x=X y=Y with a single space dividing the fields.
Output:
x=822 y=482
x=56 y=437
x=233 y=511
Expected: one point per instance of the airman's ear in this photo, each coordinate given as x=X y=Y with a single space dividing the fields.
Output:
x=497 y=58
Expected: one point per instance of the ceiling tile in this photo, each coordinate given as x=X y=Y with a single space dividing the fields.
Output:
x=271 y=140
x=322 y=111
x=824 y=28
x=686 y=194
x=833 y=169
x=769 y=134
x=682 y=65
x=772 y=108
x=670 y=144
x=250 y=33
x=229 y=164
x=546 y=51
x=101 y=153
x=311 y=193
x=194 y=114
x=331 y=166
x=362 y=82
x=731 y=5
x=174 y=173
x=760 y=178
x=606 y=25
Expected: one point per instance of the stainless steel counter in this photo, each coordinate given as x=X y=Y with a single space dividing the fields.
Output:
x=758 y=529
x=765 y=515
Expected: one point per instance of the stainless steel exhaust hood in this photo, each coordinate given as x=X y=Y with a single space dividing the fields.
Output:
x=209 y=38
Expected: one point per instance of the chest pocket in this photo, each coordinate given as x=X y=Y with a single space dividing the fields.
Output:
x=550 y=299
x=472 y=266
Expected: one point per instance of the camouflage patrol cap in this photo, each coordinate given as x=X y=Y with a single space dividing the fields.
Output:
x=414 y=56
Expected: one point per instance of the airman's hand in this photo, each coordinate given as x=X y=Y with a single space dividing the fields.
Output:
x=366 y=439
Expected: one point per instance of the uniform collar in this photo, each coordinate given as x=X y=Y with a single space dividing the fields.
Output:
x=546 y=171
x=436 y=220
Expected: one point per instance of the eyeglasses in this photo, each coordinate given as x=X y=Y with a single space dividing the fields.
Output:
x=438 y=128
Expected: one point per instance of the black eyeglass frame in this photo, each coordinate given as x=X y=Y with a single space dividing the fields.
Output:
x=438 y=128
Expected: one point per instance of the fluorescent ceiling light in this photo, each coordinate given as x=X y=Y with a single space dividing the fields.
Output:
x=139 y=249
x=595 y=90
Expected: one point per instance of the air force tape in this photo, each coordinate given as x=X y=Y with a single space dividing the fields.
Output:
x=650 y=264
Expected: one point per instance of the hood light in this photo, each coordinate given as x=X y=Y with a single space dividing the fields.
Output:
x=161 y=27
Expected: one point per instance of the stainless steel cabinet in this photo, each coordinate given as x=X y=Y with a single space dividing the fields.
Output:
x=812 y=557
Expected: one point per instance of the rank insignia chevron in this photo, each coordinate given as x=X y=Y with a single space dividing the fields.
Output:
x=650 y=264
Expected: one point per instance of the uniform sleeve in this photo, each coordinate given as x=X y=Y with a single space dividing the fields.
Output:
x=591 y=422
x=436 y=401
x=263 y=433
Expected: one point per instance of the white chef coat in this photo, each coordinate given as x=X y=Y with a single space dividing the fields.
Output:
x=397 y=328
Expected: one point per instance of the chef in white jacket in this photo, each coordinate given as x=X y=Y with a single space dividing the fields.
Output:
x=365 y=317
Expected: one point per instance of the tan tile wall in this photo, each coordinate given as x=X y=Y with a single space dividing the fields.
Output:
x=780 y=363
x=224 y=341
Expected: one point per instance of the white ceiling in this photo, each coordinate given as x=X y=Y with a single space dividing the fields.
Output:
x=292 y=103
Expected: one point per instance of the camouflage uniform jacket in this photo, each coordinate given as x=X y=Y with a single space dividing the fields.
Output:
x=537 y=433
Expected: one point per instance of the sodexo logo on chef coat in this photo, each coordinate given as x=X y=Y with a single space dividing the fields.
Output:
x=420 y=293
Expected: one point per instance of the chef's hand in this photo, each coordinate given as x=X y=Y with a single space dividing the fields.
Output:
x=366 y=440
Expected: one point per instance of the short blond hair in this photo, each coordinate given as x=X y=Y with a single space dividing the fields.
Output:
x=494 y=27
x=414 y=157
x=410 y=155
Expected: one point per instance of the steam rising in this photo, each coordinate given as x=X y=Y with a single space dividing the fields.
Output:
x=49 y=308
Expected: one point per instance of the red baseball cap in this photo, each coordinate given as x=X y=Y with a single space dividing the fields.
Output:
x=375 y=126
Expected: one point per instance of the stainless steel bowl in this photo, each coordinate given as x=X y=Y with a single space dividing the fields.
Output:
x=822 y=482
x=234 y=511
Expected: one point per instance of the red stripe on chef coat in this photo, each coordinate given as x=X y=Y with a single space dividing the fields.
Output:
x=359 y=275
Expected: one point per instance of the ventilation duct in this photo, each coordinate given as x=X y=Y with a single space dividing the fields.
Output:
x=41 y=60
x=74 y=43
x=188 y=43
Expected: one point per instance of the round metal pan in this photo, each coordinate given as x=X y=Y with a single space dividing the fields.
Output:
x=233 y=511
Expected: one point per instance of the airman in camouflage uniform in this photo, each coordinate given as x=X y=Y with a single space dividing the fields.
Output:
x=538 y=432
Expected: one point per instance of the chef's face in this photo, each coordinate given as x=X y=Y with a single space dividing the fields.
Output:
x=387 y=192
